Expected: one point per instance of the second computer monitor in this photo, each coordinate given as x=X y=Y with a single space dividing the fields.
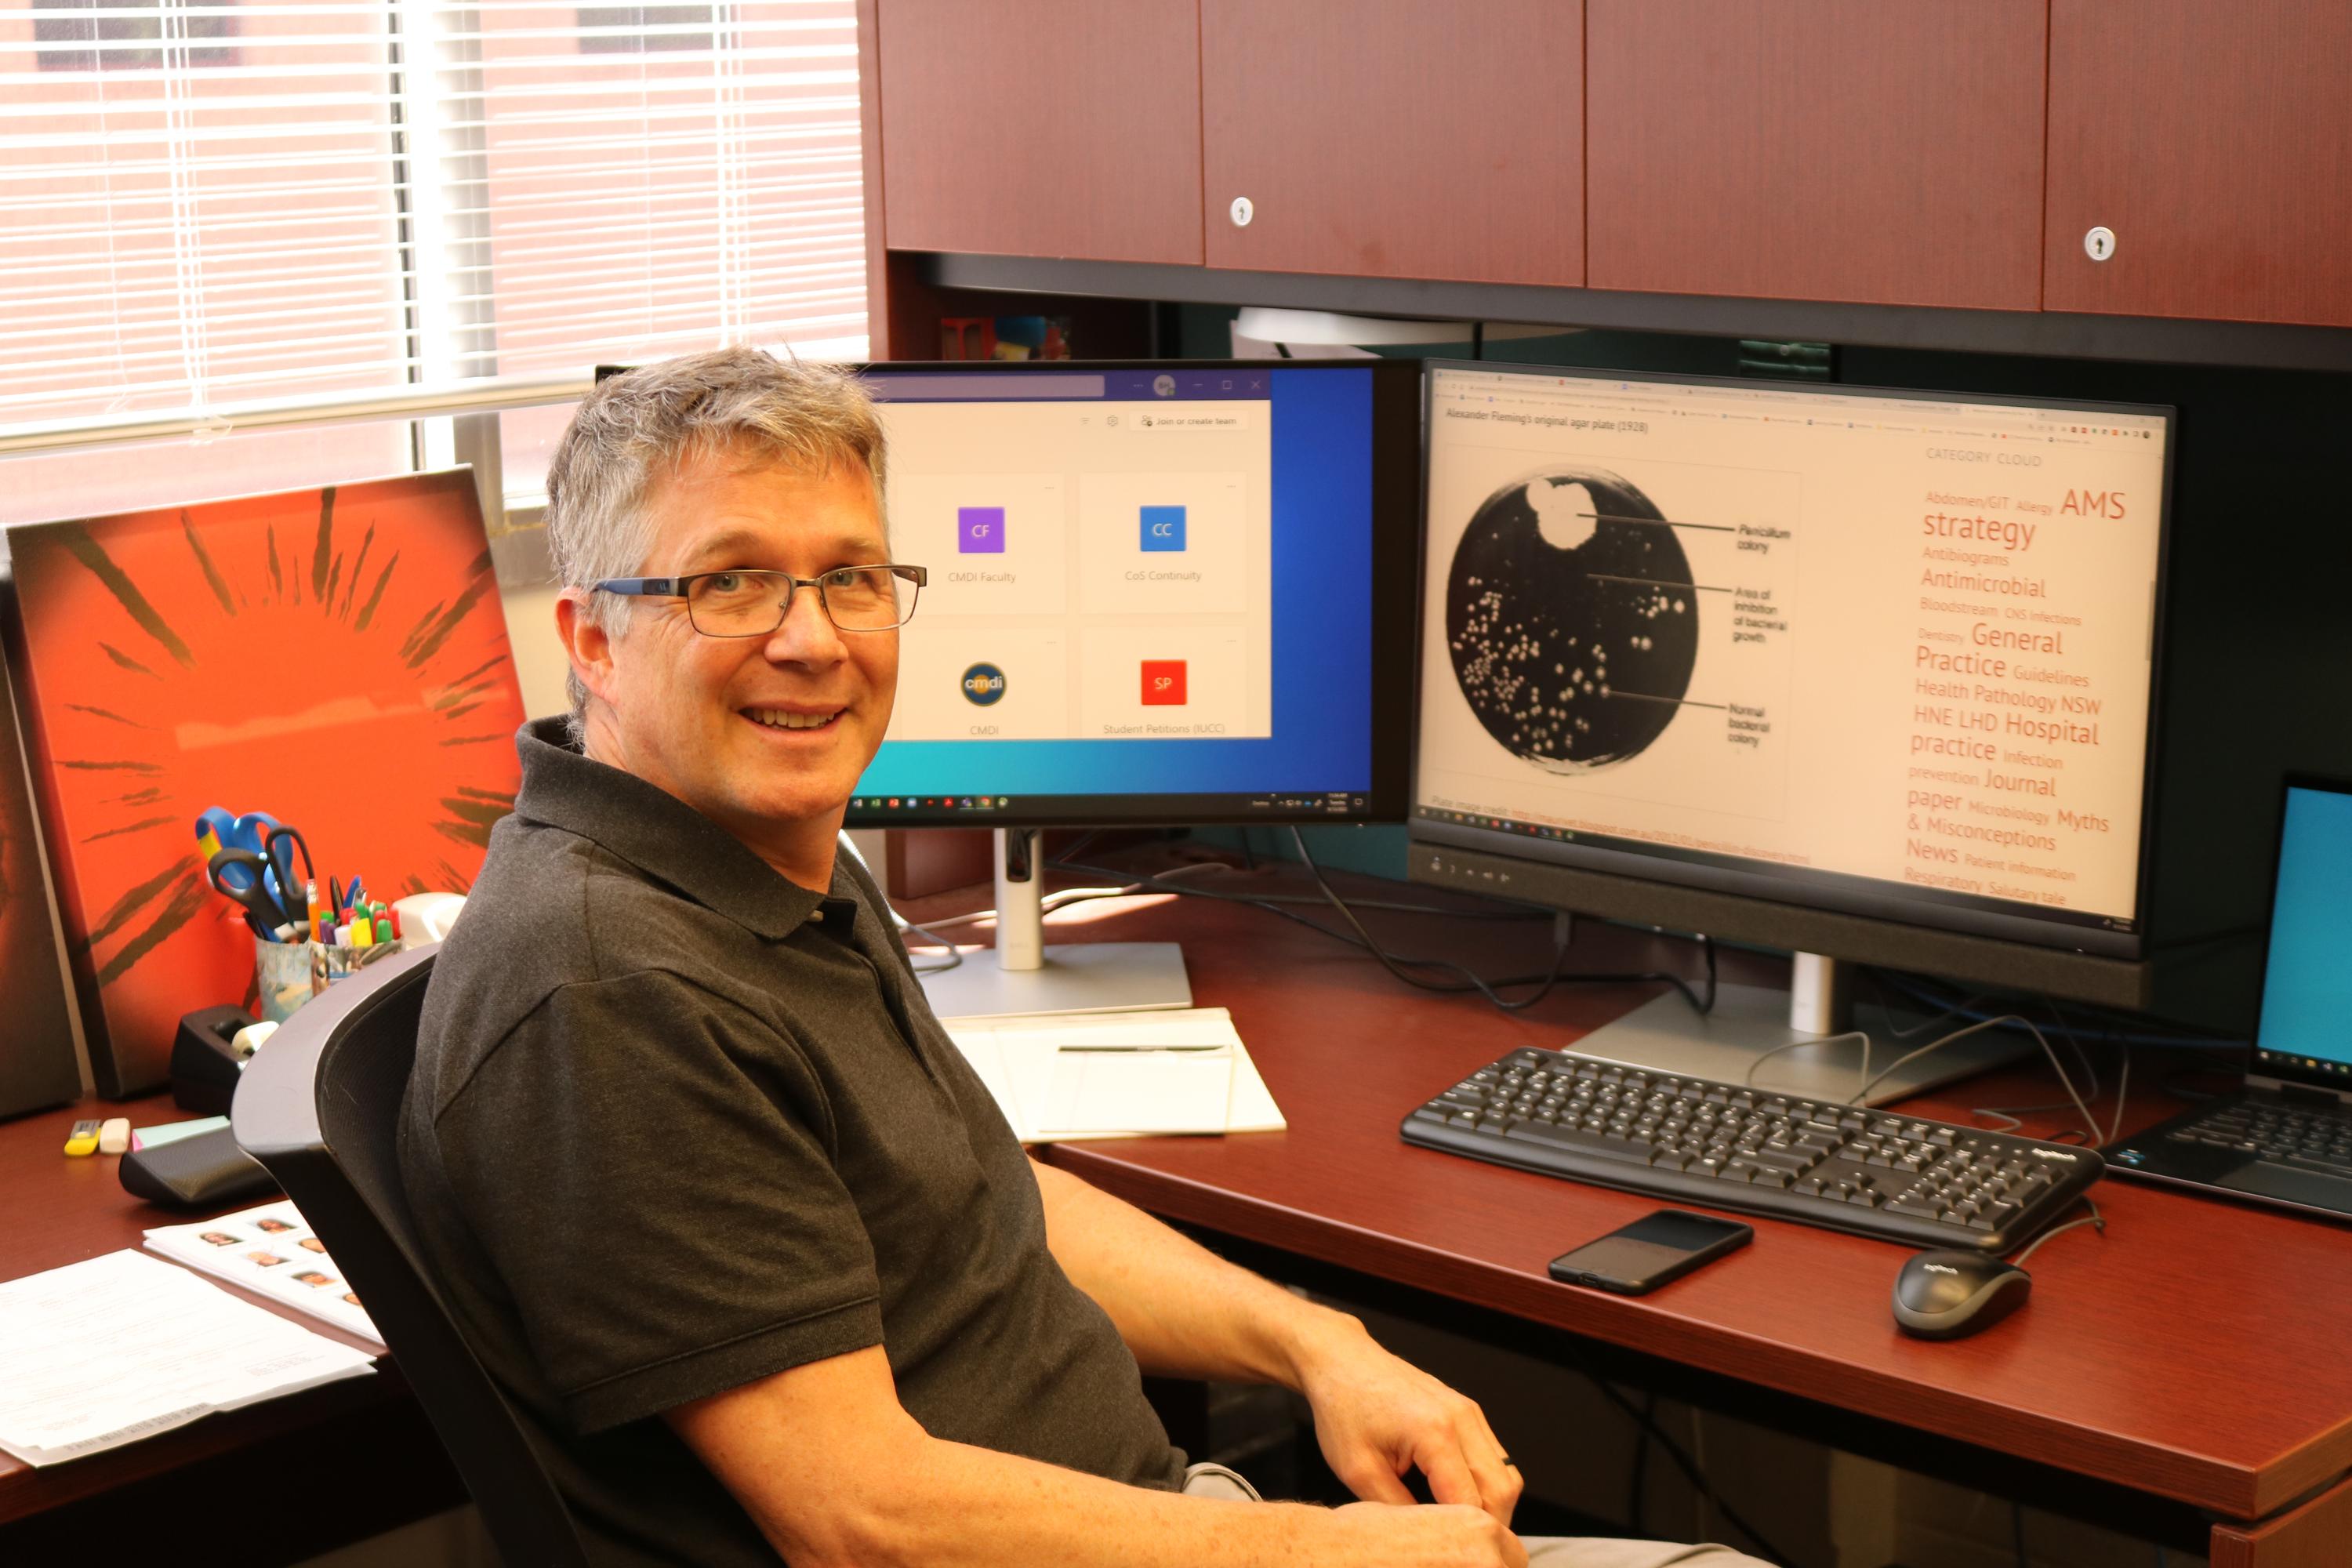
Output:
x=1874 y=671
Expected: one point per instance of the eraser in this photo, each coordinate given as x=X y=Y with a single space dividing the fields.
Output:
x=251 y=1039
x=114 y=1135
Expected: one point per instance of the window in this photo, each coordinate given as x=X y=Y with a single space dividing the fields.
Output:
x=370 y=197
x=125 y=35
x=633 y=30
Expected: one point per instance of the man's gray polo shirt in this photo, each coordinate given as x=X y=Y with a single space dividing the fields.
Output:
x=677 y=1124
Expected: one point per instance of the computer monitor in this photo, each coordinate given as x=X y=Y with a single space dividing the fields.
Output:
x=1867 y=675
x=1157 y=594
x=2303 y=1037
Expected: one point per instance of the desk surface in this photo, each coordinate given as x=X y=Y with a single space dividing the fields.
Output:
x=2188 y=1352
x=59 y=1211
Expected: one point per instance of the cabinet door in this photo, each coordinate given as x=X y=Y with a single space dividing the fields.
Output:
x=2213 y=139
x=1042 y=128
x=1846 y=149
x=1395 y=138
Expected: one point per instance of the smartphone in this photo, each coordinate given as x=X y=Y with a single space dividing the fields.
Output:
x=1644 y=1254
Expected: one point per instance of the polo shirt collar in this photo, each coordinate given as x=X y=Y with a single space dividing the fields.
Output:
x=667 y=838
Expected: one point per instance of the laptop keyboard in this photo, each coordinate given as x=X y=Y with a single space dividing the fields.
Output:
x=2304 y=1138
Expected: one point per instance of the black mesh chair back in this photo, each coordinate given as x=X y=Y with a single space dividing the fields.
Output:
x=319 y=1107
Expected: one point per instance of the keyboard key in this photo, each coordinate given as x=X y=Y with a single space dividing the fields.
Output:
x=1599 y=1144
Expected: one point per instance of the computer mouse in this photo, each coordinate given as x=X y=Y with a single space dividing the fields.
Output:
x=1949 y=1295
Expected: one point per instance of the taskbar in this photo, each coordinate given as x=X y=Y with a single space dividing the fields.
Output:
x=1106 y=810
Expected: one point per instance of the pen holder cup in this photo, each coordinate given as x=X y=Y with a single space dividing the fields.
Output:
x=291 y=973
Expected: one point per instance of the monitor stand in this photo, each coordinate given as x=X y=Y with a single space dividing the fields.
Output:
x=1023 y=975
x=1667 y=1035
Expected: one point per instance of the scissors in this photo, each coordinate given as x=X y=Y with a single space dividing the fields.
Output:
x=278 y=845
x=238 y=875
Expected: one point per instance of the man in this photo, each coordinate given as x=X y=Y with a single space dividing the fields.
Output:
x=715 y=1197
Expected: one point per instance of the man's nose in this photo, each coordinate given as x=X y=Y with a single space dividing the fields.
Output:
x=806 y=635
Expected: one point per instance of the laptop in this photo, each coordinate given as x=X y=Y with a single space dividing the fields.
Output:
x=2285 y=1138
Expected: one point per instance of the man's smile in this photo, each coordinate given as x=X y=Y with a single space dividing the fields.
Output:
x=792 y=717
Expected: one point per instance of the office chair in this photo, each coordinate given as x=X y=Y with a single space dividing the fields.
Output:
x=320 y=1108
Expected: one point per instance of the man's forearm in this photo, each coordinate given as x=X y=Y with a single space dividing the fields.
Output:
x=838 y=1475
x=951 y=1504
x=1182 y=1310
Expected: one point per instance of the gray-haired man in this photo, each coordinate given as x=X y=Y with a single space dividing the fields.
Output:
x=719 y=1201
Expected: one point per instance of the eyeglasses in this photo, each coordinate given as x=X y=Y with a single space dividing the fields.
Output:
x=754 y=603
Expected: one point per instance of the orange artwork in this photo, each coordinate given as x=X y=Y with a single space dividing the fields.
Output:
x=337 y=659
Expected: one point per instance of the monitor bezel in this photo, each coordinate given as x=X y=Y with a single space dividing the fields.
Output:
x=1398 y=399
x=1973 y=921
x=2266 y=1064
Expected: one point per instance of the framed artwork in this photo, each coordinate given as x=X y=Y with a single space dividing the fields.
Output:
x=335 y=657
x=37 y=1053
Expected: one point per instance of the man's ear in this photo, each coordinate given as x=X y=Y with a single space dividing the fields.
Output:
x=586 y=643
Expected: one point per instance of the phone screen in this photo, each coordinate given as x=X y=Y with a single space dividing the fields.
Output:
x=1651 y=1250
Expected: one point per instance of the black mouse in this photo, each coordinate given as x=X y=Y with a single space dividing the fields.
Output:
x=1949 y=1295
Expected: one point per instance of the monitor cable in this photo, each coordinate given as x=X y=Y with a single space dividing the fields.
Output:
x=1692 y=1470
x=2093 y=1218
x=1396 y=964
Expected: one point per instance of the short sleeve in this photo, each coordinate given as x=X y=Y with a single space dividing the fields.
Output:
x=646 y=1167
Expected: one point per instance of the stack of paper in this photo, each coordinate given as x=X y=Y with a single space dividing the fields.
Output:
x=270 y=1252
x=100 y=1353
x=1064 y=1077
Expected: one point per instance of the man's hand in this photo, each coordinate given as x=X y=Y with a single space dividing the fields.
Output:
x=1377 y=1416
x=1378 y=1536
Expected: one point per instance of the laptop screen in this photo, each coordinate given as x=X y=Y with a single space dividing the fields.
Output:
x=2306 y=1023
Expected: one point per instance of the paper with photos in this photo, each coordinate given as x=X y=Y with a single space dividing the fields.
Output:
x=272 y=1252
x=122 y=1346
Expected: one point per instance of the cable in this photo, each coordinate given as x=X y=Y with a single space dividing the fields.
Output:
x=1690 y=1469
x=1396 y=964
x=2097 y=1218
x=2089 y=1121
x=2017 y=1533
x=1926 y=998
x=1641 y=1476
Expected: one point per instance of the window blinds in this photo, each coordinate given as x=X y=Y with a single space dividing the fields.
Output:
x=206 y=203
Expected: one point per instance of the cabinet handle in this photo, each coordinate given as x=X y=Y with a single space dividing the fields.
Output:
x=2100 y=243
x=1242 y=211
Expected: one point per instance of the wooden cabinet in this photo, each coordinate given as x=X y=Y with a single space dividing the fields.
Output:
x=2214 y=138
x=1395 y=138
x=1844 y=150
x=1041 y=128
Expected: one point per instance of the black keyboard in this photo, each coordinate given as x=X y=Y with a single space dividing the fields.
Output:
x=1727 y=1146
x=2299 y=1137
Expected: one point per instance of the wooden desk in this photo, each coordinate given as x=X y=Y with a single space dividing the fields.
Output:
x=2189 y=1354
x=325 y=1467
x=2187 y=1358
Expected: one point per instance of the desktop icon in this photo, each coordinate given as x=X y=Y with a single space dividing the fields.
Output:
x=980 y=531
x=984 y=685
x=1164 y=528
x=1163 y=683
